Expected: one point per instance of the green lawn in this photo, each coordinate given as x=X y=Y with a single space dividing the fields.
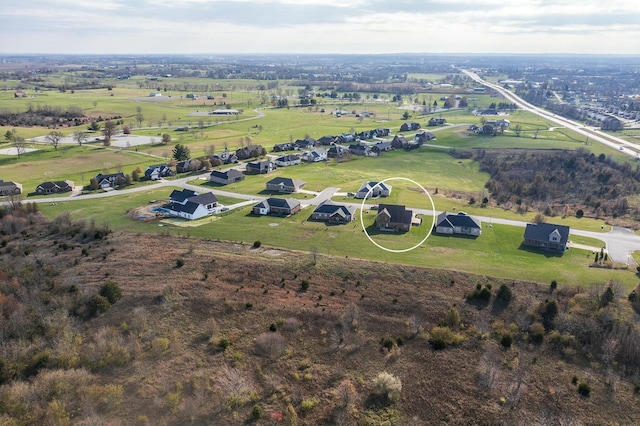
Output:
x=496 y=252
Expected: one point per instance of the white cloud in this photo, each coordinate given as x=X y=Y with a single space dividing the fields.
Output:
x=308 y=26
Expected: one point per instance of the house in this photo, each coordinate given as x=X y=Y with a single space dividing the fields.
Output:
x=337 y=151
x=260 y=167
x=326 y=140
x=181 y=196
x=410 y=126
x=251 y=151
x=10 y=188
x=433 y=121
x=155 y=94
x=185 y=166
x=365 y=134
x=158 y=171
x=226 y=157
x=277 y=207
x=359 y=149
x=287 y=160
x=458 y=224
x=283 y=184
x=547 y=236
x=488 y=129
x=374 y=189
x=399 y=142
x=306 y=143
x=345 y=138
x=381 y=133
x=281 y=147
x=333 y=213
x=226 y=177
x=315 y=155
x=55 y=187
x=396 y=218
x=110 y=180
x=425 y=136
x=190 y=205
x=381 y=147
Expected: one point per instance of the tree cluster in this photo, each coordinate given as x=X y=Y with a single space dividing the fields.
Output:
x=43 y=115
x=543 y=178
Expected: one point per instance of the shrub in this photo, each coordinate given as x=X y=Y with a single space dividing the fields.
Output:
x=256 y=412
x=506 y=340
x=553 y=286
x=179 y=263
x=111 y=291
x=442 y=337
x=386 y=342
x=387 y=385
x=304 y=285
x=224 y=343
x=574 y=380
x=536 y=332
x=452 y=318
x=257 y=244
x=584 y=389
x=271 y=345
x=97 y=305
x=307 y=405
x=273 y=327
x=248 y=305
x=504 y=293
x=480 y=293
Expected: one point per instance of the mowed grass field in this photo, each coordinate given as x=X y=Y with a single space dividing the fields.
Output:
x=496 y=252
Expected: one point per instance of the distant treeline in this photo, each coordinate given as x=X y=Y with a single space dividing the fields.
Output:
x=43 y=115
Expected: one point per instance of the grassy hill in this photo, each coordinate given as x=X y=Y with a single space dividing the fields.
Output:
x=198 y=332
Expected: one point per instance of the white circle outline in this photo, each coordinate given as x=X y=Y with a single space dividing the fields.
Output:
x=433 y=222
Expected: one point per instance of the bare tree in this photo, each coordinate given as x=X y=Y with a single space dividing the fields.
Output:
x=54 y=138
x=139 y=117
x=108 y=132
x=80 y=137
x=20 y=144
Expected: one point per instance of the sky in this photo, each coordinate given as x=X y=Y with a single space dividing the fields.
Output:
x=319 y=26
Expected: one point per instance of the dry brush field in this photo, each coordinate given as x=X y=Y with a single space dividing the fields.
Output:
x=205 y=332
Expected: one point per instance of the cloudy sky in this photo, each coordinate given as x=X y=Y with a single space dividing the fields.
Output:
x=319 y=26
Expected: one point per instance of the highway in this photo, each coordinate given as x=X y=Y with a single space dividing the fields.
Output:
x=593 y=134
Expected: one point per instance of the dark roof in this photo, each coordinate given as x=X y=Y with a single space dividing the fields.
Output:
x=541 y=232
x=188 y=207
x=460 y=219
x=399 y=214
x=331 y=208
x=114 y=176
x=285 y=181
x=260 y=165
x=288 y=157
x=181 y=195
x=289 y=203
x=206 y=198
x=229 y=174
